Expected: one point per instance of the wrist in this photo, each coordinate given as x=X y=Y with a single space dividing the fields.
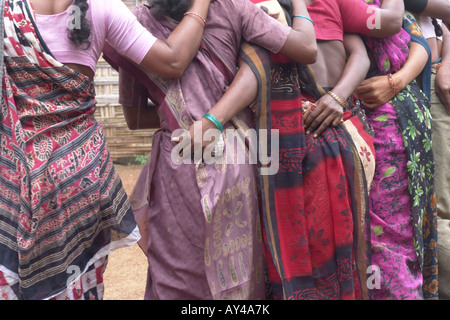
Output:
x=398 y=82
x=207 y=125
x=443 y=64
x=211 y=118
x=338 y=98
x=200 y=7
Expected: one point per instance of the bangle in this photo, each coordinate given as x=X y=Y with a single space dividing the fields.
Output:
x=197 y=16
x=392 y=83
x=339 y=100
x=440 y=64
x=304 y=17
x=214 y=120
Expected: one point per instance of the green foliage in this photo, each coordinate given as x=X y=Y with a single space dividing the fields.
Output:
x=140 y=159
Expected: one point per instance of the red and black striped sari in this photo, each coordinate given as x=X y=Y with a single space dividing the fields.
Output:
x=315 y=207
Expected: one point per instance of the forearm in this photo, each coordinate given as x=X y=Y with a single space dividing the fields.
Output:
x=356 y=67
x=439 y=9
x=241 y=93
x=442 y=84
x=171 y=58
x=445 y=53
x=391 y=18
x=301 y=45
x=413 y=66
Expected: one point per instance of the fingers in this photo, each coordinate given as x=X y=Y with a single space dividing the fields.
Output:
x=364 y=88
x=327 y=112
x=184 y=145
x=444 y=96
x=191 y=144
x=316 y=118
x=177 y=139
x=337 y=121
x=325 y=124
x=307 y=107
x=317 y=113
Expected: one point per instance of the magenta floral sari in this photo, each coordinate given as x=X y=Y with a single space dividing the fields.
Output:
x=402 y=197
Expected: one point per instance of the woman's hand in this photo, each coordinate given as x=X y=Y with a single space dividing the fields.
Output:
x=327 y=112
x=443 y=85
x=196 y=138
x=376 y=91
x=171 y=57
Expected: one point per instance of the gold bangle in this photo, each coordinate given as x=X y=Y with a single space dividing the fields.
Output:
x=339 y=100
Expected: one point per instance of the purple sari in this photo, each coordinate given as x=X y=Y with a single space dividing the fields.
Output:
x=200 y=223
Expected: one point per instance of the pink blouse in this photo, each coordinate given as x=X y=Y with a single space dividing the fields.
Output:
x=427 y=27
x=111 y=21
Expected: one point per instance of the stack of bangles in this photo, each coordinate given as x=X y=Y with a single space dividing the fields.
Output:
x=338 y=99
x=193 y=14
x=304 y=17
x=393 y=85
x=440 y=64
x=214 y=120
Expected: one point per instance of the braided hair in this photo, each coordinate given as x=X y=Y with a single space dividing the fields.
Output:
x=80 y=35
x=437 y=28
x=171 y=8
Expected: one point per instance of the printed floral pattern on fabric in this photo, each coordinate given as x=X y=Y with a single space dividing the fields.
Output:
x=308 y=208
x=61 y=201
x=392 y=242
x=414 y=226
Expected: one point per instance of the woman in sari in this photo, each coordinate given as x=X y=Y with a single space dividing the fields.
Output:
x=202 y=219
x=62 y=205
x=402 y=197
x=438 y=38
x=315 y=210
x=440 y=112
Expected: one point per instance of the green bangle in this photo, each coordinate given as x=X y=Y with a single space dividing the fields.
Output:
x=304 y=17
x=214 y=120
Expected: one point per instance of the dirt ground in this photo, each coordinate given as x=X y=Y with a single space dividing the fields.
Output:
x=126 y=274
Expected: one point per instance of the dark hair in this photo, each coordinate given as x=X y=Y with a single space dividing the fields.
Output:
x=437 y=28
x=170 y=8
x=80 y=35
x=287 y=7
